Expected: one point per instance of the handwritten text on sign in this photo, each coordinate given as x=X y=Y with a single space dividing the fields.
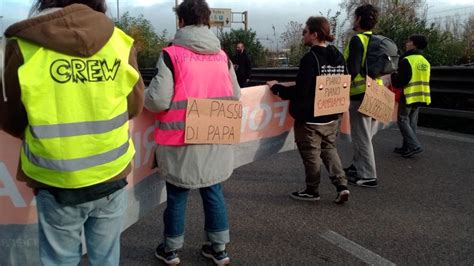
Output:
x=378 y=103
x=213 y=121
x=332 y=94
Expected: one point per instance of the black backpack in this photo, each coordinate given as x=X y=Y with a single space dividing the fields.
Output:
x=382 y=56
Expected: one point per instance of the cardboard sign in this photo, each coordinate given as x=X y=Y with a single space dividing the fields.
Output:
x=210 y=121
x=332 y=94
x=378 y=103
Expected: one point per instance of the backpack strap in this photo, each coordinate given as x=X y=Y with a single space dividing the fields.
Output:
x=317 y=62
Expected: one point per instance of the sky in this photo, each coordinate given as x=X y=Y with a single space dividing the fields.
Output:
x=264 y=15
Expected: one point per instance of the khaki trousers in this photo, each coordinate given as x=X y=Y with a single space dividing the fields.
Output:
x=316 y=143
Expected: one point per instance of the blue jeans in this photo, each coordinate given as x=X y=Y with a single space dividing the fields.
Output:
x=61 y=227
x=407 y=122
x=215 y=216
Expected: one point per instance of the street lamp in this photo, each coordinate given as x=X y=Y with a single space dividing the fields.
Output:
x=118 y=11
x=274 y=35
x=177 y=21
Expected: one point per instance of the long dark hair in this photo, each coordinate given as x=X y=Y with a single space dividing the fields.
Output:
x=97 y=5
x=194 y=12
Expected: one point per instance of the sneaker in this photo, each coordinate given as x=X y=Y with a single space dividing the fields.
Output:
x=219 y=258
x=305 y=195
x=410 y=153
x=170 y=258
x=350 y=170
x=342 y=196
x=372 y=182
x=399 y=150
x=352 y=178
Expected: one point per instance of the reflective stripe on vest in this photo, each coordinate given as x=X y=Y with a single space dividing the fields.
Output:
x=358 y=84
x=77 y=113
x=418 y=88
x=195 y=75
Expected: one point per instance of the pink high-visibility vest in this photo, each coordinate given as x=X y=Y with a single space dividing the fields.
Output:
x=203 y=76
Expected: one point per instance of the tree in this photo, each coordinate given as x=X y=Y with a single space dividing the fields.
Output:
x=292 y=40
x=147 y=42
x=401 y=18
x=248 y=38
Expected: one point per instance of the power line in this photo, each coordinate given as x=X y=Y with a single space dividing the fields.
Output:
x=449 y=10
x=457 y=15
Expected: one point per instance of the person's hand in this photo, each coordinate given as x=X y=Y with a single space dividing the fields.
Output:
x=275 y=89
x=271 y=83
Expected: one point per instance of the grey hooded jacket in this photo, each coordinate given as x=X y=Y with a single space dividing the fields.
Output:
x=189 y=166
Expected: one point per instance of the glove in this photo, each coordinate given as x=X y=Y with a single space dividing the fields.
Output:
x=275 y=89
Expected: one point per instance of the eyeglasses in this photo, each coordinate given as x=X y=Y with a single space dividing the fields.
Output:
x=304 y=32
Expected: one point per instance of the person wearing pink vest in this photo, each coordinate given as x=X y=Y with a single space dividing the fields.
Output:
x=193 y=66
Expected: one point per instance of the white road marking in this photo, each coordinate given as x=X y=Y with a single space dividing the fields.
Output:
x=355 y=249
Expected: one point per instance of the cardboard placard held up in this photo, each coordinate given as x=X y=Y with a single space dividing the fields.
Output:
x=378 y=103
x=210 y=121
x=332 y=94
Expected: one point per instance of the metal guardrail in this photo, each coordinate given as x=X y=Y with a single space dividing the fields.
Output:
x=443 y=79
x=452 y=87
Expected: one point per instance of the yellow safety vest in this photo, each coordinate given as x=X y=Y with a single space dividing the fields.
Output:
x=77 y=132
x=418 y=89
x=358 y=84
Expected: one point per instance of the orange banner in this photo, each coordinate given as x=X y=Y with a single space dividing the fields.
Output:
x=263 y=116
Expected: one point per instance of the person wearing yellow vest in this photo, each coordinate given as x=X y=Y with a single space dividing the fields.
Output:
x=70 y=86
x=192 y=66
x=414 y=77
x=362 y=171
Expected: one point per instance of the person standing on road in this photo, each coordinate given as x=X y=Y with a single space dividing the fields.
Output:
x=315 y=136
x=193 y=66
x=242 y=64
x=362 y=171
x=414 y=77
x=71 y=83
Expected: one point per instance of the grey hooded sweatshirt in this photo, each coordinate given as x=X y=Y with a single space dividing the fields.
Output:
x=189 y=166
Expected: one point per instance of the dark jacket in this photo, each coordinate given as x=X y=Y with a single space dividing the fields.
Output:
x=302 y=95
x=243 y=67
x=74 y=30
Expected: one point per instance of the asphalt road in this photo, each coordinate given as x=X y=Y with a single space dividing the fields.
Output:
x=422 y=213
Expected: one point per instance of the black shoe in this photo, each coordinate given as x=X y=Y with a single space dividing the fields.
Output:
x=350 y=170
x=219 y=258
x=410 y=153
x=305 y=195
x=399 y=150
x=352 y=178
x=170 y=258
x=342 y=196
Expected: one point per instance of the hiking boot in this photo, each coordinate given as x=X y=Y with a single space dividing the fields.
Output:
x=399 y=150
x=410 y=153
x=342 y=196
x=219 y=258
x=305 y=195
x=372 y=182
x=170 y=257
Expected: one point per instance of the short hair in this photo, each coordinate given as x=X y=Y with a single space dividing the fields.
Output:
x=194 y=12
x=321 y=26
x=369 y=16
x=97 y=5
x=419 y=41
